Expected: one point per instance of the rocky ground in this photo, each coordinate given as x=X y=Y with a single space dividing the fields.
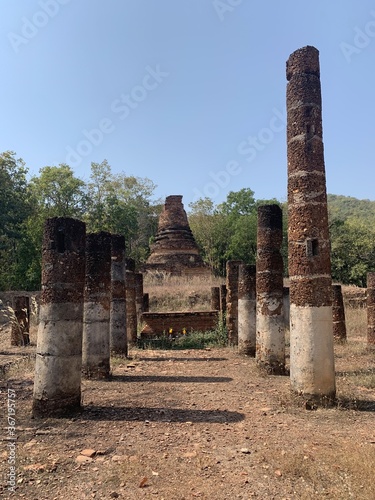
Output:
x=191 y=424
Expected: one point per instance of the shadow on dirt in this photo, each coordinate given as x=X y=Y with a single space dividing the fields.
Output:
x=159 y=415
x=165 y=378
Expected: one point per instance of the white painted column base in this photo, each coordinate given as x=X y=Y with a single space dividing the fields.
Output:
x=246 y=326
x=312 y=367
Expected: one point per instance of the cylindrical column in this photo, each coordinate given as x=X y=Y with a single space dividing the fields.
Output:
x=146 y=302
x=139 y=295
x=247 y=310
x=371 y=309
x=117 y=326
x=312 y=370
x=223 y=298
x=270 y=349
x=131 y=309
x=338 y=314
x=232 y=300
x=57 y=382
x=97 y=298
x=215 y=298
x=286 y=307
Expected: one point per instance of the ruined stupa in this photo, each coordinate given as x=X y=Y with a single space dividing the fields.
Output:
x=174 y=249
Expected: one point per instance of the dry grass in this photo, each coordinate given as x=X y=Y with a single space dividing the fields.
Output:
x=179 y=293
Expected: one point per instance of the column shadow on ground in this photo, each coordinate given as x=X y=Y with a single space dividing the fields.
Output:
x=182 y=359
x=160 y=414
x=168 y=378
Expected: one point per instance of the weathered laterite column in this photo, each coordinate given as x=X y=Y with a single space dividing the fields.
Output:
x=247 y=309
x=270 y=348
x=215 y=298
x=371 y=309
x=338 y=314
x=286 y=307
x=139 y=295
x=96 y=314
x=131 y=309
x=146 y=302
x=312 y=370
x=57 y=382
x=223 y=298
x=117 y=326
x=232 y=300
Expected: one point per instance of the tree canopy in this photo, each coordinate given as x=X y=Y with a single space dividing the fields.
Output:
x=124 y=204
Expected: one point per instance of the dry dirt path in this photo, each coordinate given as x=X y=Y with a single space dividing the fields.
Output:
x=191 y=424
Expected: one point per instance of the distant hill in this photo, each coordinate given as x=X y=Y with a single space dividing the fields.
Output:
x=345 y=207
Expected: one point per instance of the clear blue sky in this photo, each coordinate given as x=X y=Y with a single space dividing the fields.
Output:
x=172 y=90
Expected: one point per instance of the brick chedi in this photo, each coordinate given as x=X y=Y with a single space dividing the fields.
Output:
x=174 y=249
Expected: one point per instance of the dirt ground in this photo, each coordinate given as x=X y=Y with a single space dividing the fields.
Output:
x=191 y=424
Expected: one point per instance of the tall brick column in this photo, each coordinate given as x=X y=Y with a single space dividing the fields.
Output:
x=215 y=298
x=57 y=382
x=371 y=309
x=338 y=314
x=270 y=349
x=232 y=300
x=131 y=308
x=247 y=309
x=223 y=298
x=97 y=298
x=139 y=295
x=117 y=326
x=312 y=368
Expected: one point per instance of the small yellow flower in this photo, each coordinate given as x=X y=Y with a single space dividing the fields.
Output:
x=171 y=330
x=184 y=331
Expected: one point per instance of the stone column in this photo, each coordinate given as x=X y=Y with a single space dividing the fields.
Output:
x=371 y=309
x=270 y=349
x=223 y=298
x=247 y=310
x=286 y=307
x=117 y=326
x=131 y=310
x=215 y=298
x=338 y=314
x=232 y=300
x=146 y=303
x=139 y=295
x=97 y=298
x=57 y=382
x=312 y=370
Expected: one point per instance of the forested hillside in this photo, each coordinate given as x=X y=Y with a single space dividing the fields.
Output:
x=125 y=204
x=352 y=228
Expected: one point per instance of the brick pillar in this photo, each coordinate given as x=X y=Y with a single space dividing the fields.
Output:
x=97 y=299
x=146 y=302
x=215 y=298
x=223 y=298
x=131 y=309
x=286 y=307
x=270 y=349
x=57 y=382
x=338 y=314
x=371 y=309
x=247 y=310
x=312 y=368
x=117 y=326
x=139 y=295
x=232 y=300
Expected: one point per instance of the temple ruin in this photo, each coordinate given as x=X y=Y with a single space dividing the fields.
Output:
x=174 y=249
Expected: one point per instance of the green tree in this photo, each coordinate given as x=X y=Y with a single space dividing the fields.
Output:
x=122 y=204
x=14 y=210
x=58 y=193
